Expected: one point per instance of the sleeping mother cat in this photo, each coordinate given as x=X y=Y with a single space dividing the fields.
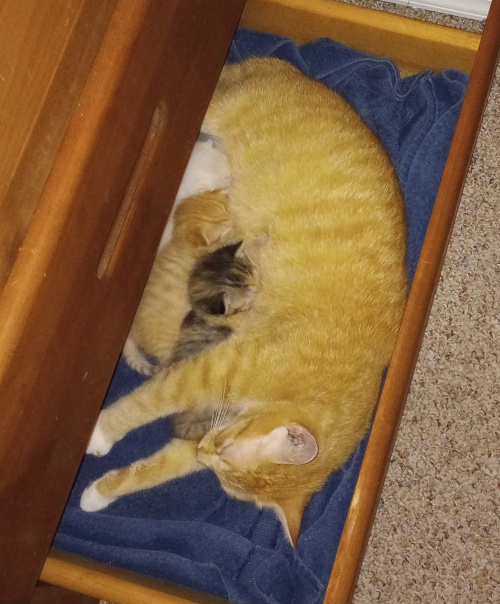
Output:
x=291 y=392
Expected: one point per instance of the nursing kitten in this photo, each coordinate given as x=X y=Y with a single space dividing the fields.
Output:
x=294 y=387
x=202 y=224
x=221 y=284
x=188 y=284
x=223 y=278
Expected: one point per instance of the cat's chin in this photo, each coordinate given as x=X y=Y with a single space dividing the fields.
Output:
x=92 y=501
x=98 y=445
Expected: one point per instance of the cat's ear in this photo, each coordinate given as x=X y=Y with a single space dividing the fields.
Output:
x=292 y=444
x=290 y=512
x=233 y=249
x=208 y=234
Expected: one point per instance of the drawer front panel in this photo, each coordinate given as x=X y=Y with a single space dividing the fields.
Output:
x=66 y=307
x=53 y=68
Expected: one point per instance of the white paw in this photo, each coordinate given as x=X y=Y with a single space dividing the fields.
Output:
x=92 y=500
x=98 y=445
x=208 y=169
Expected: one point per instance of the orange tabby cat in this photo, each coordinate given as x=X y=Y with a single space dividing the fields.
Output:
x=293 y=389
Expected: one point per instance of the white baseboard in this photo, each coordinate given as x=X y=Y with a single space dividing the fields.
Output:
x=471 y=9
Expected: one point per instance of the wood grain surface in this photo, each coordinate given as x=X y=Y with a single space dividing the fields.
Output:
x=63 y=325
x=41 y=78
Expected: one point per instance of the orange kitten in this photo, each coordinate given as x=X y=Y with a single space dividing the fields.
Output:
x=201 y=223
x=293 y=389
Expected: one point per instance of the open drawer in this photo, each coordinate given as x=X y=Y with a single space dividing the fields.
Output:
x=415 y=46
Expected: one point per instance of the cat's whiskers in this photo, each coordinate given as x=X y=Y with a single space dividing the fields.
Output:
x=215 y=414
x=220 y=412
x=223 y=413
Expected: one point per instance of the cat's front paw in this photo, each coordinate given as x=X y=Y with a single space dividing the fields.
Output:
x=99 y=444
x=92 y=501
x=208 y=168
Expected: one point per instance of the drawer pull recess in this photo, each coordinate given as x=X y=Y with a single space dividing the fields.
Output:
x=133 y=193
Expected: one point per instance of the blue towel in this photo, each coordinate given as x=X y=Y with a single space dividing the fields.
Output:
x=188 y=531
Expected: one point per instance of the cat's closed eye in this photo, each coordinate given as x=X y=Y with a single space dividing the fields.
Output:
x=224 y=448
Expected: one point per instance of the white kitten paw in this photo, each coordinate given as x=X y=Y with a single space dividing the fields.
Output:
x=92 y=501
x=208 y=168
x=99 y=445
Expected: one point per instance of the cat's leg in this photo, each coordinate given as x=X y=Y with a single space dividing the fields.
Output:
x=136 y=359
x=176 y=459
x=154 y=399
x=207 y=170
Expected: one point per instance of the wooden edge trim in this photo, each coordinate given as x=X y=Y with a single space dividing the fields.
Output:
x=367 y=493
x=403 y=40
x=52 y=594
x=115 y=585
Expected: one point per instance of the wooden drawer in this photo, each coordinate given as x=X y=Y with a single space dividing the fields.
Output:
x=124 y=129
x=117 y=93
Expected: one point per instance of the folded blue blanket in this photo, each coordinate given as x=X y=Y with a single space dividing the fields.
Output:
x=188 y=531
